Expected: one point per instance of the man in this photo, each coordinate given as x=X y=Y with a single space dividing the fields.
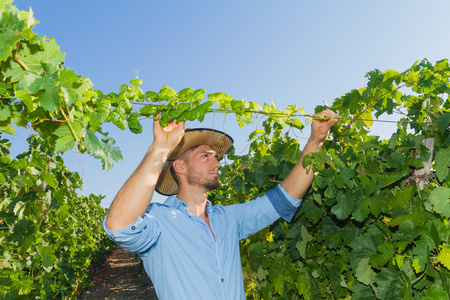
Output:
x=189 y=248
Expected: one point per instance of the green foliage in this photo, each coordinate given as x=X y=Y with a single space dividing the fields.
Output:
x=49 y=236
x=364 y=230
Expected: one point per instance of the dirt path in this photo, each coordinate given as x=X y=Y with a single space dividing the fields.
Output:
x=119 y=279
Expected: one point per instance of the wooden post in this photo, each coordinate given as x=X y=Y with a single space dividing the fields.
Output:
x=423 y=174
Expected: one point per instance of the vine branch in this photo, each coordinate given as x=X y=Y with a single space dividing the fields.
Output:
x=16 y=58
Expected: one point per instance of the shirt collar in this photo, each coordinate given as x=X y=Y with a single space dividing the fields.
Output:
x=176 y=203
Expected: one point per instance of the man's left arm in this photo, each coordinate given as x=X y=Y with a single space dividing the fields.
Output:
x=298 y=181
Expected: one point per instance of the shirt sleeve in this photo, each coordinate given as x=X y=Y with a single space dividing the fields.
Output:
x=253 y=216
x=138 y=237
x=284 y=204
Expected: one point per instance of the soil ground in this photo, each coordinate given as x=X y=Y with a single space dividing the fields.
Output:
x=121 y=277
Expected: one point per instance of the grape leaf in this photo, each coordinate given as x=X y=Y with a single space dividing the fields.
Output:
x=440 y=198
x=364 y=272
x=390 y=284
x=47 y=257
x=367 y=118
x=8 y=42
x=443 y=121
x=50 y=53
x=444 y=255
x=344 y=207
x=49 y=178
x=442 y=163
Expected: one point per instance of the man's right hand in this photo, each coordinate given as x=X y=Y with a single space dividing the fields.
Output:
x=168 y=136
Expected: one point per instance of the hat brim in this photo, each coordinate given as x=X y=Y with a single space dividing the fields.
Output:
x=218 y=140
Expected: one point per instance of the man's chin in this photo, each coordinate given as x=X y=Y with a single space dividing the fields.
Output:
x=212 y=185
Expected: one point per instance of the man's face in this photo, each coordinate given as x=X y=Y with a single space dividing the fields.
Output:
x=203 y=168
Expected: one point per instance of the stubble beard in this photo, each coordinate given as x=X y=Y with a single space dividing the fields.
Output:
x=196 y=179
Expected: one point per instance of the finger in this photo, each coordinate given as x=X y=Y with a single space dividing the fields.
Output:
x=328 y=115
x=172 y=126
x=156 y=124
x=181 y=125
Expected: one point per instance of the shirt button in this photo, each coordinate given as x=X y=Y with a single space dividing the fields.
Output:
x=133 y=228
x=222 y=279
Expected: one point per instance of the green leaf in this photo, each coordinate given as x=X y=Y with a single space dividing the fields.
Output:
x=395 y=160
x=382 y=180
x=166 y=93
x=367 y=118
x=444 y=255
x=134 y=124
x=50 y=54
x=364 y=272
x=7 y=128
x=442 y=164
x=66 y=140
x=19 y=209
x=8 y=42
x=50 y=99
x=334 y=274
x=303 y=242
x=306 y=286
x=26 y=99
x=390 y=285
x=362 y=292
x=71 y=86
x=277 y=275
x=417 y=217
x=136 y=82
x=362 y=247
x=149 y=110
x=402 y=197
x=152 y=96
x=443 y=121
x=436 y=292
x=386 y=252
x=344 y=207
x=440 y=198
x=120 y=122
x=49 y=178
x=5 y=113
x=107 y=152
x=364 y=206
x=420 y=258
x=13 y=70
x=48 y=258
x=91 y=142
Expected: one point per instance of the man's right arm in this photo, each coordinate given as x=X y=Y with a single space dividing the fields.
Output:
x=133 y=198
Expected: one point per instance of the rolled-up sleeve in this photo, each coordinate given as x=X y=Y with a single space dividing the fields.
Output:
x=284 y=204
x=138 y=237
x=255 y=215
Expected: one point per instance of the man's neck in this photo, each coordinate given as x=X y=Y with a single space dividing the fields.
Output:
x=196 y=201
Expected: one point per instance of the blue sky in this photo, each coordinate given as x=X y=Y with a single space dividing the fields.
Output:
x=289 y=52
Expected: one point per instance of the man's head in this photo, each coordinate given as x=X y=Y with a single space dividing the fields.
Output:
x=196 y=159
x=198 y=166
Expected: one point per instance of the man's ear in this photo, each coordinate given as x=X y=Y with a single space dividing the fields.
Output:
x=180 y=166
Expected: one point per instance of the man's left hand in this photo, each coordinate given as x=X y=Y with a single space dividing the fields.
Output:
x=322 y=122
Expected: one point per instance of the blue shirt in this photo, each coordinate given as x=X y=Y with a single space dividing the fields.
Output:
x=184 y=259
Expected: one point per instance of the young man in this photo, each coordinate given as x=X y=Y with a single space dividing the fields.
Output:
x=189 y=248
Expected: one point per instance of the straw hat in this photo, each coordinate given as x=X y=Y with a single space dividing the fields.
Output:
x=219 y=141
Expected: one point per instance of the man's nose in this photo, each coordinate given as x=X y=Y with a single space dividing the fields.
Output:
x=216 y=163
